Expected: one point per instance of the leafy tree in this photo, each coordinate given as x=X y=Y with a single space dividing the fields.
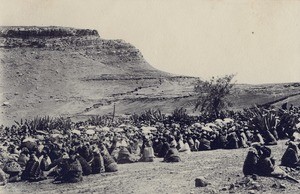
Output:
x=213 y=95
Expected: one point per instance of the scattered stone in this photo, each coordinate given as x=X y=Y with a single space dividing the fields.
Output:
x=254 y=177
x=212 y=191
x=231 y=187
x=274 y=185
x=5 y=104
x=224 y=189
x=244 y=181
x=251 y=192
x=282 y=186
x=255 y=185
x=201 y=182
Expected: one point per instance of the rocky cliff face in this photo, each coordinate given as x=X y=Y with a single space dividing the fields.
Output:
x=84 y=41
x=40 y=32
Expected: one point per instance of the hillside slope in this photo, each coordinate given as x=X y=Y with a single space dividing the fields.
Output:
x=74 y=72
x=66 y=71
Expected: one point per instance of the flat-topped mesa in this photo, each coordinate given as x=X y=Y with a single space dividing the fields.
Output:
x=51 y=37
x=40 y=32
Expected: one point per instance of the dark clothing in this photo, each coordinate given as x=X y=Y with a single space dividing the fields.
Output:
x=124 y=156
x=97 y=164
x=44 y=164
x=269 y=138
x=204 y=144
x=86 y=168
x=164 y=149
x=265 y=166
x=290 y=158
x=232 y=141
x=250 y=164
x=32 y=171
x=109 y=163
x=172 y=155
x=71 y=172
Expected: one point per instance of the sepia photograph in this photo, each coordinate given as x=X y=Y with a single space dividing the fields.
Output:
x=149 y=96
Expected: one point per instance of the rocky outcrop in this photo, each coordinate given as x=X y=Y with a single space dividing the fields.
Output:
x=53 y=38
x=44 y=32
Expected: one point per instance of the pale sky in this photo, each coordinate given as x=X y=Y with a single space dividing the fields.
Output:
x=257 y=40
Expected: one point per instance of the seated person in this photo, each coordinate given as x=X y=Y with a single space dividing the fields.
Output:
x=14 y=170
x=290 y=157
x=86 y=167
x=172 y=154
x=109 y=163
x=232 y=141
x=71 y=171
x=124 y=156
x=32 y=170
x=164 y=149
x=266 y=166
x=148 y=153
x=97 y=162
x=204 y=143
x=2 y=178
x=250 y=164
x=186 y=147
x=269 y=138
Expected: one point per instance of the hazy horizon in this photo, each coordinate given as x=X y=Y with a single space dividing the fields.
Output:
x=256 y=40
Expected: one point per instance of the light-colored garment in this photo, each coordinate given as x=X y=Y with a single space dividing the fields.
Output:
x=3 y=179
x=181 y=144
x=186 y=148
x=148 y=152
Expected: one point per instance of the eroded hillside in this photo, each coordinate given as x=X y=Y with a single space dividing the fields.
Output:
x=74 y=72
x=65 y=71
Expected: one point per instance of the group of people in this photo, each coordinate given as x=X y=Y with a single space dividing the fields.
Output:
x=68 y=157
x=259 y=161
x=68 y=154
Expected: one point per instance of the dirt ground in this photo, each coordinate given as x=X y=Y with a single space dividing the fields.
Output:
x=221 y=168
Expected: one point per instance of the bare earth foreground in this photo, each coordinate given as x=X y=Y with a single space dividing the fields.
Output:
x=220 y=167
